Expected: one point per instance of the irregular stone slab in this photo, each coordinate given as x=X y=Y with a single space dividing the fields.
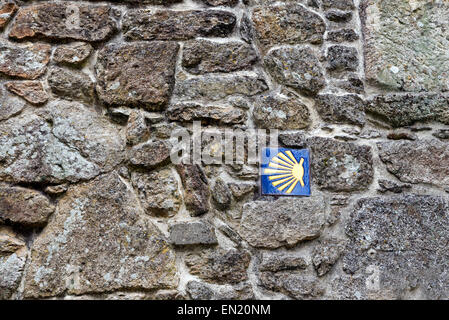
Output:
x=7 y=10
x=71 y=84
x=341 y=109
x=338 y=4
x=398 y=244
x=10 y=241
x=405 y=44
x=24 y=206
x=216 y=3
x=421 y=161
x=280 y=112
x=296 y=67
x=150 y=154
x=73 y=53
x=9 y=105
x=221 y=194
x=31 y=91
x=342 y=58
x=219 y=265
x=326 y=254
x=99 y=241
x=196 y=188
x=218 y=87
x=338 y=16
x=158 y=192
x=202 y=56
x=295 y=285
x=405 y=109
x=188 y=112
x=143 y=24
x=239 y=190
x=201 y=291
x=195 y=233
x=64 y=20
x=24 y=61
x=340 y=166
x=136 y=130
x=137 y=74
x=30 y=153
x=391 y=186
x=286 y=24
x=11 y=269
x=342 y=35
x=283 y=222
x=280 y=262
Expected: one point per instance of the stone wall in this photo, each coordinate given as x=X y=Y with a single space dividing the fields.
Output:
x=92 y=207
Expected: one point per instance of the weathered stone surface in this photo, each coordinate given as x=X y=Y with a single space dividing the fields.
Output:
x=24 y=206
x=292 y=140
x=219 y=266
x=137 y=74
x=296 y=67
x=341 y=109
x=194 y=233
x=9 y=105
x=281 y=262
x=196 y=188
x=352 y=85
x=203 y=56
x=239 y=190
x=391 y=186
x=342 y=35
x=64 y=20
x=188 y=112
x=284 y=222
x=214 y=87
x=338 y=16
x=280 y=112
x=401 y=134
x=31 y=91
x=397 y=244
x=73 y=53
x=99 y=241
x=10 y=241
x=405 y=44
x=246 y=29
x=150 y=154
x=342 y=58
x=71 y=84
x=221 y=194
x=158 y=192
x=406 y=109
x=24 y=61
x=286 y=24
x=292 y=284
x=216 y=3
x=340 y=166
x=142 y=24
x=201 y=291
x=7 y=10
x=421 y=161
x=326 y=254
x=11 y=269
x=442 y=134
x=137 y=130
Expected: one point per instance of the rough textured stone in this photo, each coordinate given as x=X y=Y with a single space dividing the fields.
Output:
x=397 y=244
x=337 y=4
x=391 y=186
x=216 y=3
x=188 y=112
x=194 y=233
x=339 y=16
x=286 y=24
x=342 y=58
x=352 y=85
x=239 y=190
x=31 y=91
x=281 y=262
x=296 y=67
x=71 y=84
x=341 y=109
x=196 y=188
x=292 y=140
x=202 y=56
x=284 y=222
x=214 y=87
x=137 y=74
x=340 y=166
x=9 y=105
x=137 y=130
x=200 y=291
x=442 y=134
x=342 y=35
x=326 y=254
x=10 y=241
x=406 y=109
x=64 y=20
x=401 y=134
x=99 y=241
x=144 y=24
x=73 y=53
x=158 y=192
x=24 y=61
x=292 y=284
x=221 y=194
x=150 y=154
x=11 y=269
x=421 y=161
x=7 y=10
x=405 y=44
x=219 y=266
x=280 y=112
x=24 y=206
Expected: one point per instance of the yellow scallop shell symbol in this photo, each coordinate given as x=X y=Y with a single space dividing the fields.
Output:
x=286 y=172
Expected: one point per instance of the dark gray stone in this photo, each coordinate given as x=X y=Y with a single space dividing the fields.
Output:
x=195 y=233
x=341 y=109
